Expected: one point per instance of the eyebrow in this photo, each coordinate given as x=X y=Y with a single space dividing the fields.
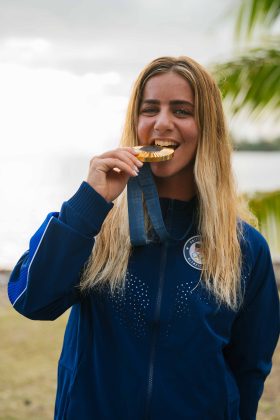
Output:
x=174 y=102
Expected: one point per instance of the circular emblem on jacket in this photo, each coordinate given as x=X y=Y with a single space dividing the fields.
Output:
x=192 y=252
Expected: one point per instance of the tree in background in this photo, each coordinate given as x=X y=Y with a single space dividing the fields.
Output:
x=252 y=80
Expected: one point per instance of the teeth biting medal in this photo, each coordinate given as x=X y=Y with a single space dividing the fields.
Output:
x=154 y=153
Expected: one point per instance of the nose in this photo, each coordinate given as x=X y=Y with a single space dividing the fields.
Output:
x=163 y=122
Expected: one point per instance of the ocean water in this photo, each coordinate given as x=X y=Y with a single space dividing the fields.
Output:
x=31 y=187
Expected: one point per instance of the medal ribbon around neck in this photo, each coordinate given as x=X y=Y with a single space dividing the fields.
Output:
x=144 y=186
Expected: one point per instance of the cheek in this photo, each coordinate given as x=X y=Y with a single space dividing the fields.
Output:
x=142 y=131
x=190 y=131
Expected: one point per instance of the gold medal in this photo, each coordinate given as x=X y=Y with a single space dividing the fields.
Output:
x=153 y=153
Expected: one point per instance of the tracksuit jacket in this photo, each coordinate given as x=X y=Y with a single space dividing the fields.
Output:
x=163 y=349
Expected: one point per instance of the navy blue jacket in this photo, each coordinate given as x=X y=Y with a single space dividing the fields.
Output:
x=163 y=349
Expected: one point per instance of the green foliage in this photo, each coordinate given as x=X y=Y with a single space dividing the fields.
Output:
x=256 y=13
x=261 y=145
x=266 y=207
x=252 y=79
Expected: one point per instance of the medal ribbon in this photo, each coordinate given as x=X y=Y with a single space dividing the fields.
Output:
x=144 y=186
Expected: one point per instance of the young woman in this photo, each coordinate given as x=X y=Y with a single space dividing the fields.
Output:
x=182 y=326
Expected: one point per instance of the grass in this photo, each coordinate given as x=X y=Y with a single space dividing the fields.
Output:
x=29 y=354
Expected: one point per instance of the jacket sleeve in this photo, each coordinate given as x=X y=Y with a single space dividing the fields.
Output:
x=255 y=333
x=44 y=282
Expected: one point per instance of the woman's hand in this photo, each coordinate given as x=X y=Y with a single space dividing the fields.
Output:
x=109 y=173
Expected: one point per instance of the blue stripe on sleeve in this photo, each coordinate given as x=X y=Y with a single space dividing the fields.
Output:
x=19 y=280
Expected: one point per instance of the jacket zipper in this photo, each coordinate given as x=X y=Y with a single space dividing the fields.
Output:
x=156 y=330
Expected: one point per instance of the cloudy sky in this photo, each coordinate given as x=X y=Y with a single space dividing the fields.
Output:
x=66 y=70
x=67 y=66
x=85 y=36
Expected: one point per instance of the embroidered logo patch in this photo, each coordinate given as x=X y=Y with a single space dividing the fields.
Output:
x=192 y=252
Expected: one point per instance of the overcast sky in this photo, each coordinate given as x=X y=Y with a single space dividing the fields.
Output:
x=66 y=70
x=88 y=36
x=66 y=66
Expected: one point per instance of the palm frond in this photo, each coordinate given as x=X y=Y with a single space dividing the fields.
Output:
x=256 y=13
x=251 y=81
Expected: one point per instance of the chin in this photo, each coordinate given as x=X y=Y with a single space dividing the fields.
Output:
x=163 y=170
x=168 y=169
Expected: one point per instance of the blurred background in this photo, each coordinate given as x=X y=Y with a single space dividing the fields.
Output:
x=66 y=71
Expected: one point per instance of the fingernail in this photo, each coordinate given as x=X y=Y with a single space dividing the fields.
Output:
x=136 y=173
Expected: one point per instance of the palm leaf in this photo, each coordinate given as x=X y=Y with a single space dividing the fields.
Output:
x=266 y=207
x=251 y=81
x=254 y=14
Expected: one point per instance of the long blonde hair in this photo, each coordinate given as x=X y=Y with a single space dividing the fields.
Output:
x=219 y=206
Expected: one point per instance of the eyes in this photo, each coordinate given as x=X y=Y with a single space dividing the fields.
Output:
x=180 y=112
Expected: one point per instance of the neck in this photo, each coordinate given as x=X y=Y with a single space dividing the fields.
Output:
x=173 y=187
